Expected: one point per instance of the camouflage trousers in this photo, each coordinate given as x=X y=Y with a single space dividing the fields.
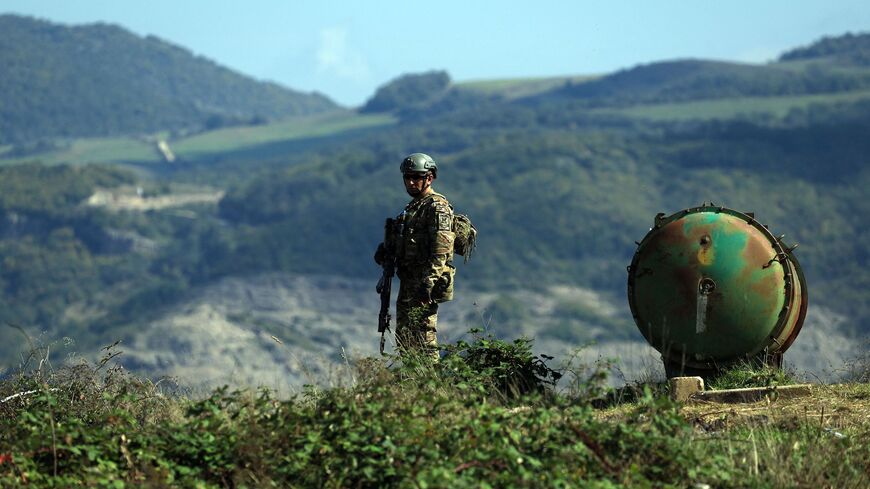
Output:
x=415 y=322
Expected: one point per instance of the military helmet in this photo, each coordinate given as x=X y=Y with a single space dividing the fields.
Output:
x=418 y=163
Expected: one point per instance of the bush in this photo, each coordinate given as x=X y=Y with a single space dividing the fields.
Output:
x=510 y=369
x=476 y=418
x=418 y=422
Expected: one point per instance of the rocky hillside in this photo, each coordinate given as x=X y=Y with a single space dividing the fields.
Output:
x=283 y=331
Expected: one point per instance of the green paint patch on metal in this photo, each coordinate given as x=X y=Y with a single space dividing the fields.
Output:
x=703 y=284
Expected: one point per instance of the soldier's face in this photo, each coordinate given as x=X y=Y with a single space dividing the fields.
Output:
x=416 y=183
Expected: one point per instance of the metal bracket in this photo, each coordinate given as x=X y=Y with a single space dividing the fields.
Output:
x=780 y=257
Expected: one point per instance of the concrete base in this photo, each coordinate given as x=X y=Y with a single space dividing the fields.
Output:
x=683 y=388
x=754 y=394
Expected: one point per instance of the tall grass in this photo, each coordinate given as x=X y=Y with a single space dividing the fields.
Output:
x=752 y=374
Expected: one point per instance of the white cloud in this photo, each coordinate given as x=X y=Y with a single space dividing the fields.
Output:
x=334 y=56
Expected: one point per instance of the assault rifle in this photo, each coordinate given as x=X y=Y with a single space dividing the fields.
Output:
x=388 y=262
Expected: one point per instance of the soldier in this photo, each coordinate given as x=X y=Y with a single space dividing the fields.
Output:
x=423 y=238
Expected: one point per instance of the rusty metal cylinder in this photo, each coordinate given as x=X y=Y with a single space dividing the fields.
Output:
x=710 y=286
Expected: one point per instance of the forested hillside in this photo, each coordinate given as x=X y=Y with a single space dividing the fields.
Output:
x=696 y=79
x=830 y=66
x=560 y=185
x=567 y=205
x=408 y=91
x=100 y=79
x=848 y=49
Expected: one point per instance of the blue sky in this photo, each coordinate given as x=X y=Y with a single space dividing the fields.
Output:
x=347 y=49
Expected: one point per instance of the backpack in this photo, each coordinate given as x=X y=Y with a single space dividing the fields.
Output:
x=466 y=236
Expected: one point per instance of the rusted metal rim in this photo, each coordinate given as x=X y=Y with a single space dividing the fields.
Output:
x=802 y=314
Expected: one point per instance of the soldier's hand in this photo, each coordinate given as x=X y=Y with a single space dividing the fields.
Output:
x=380 y=254
x=425 y=294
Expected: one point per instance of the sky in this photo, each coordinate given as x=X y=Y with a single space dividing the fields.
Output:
x=346 y=50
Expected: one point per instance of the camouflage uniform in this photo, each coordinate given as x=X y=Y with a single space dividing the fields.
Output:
x=424 y=256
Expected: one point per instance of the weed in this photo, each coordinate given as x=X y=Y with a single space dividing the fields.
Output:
x=858 y=368
x=751 y=374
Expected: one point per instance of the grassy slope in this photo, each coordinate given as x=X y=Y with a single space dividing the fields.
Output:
x=211 y=143
x=92 y=150
x=300 y=128
x=511 y=88
x=777 y=107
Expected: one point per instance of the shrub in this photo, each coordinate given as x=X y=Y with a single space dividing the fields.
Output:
x=509 y=368
x=486 y=415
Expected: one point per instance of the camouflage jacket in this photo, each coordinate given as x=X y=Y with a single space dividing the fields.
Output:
x=425 y=245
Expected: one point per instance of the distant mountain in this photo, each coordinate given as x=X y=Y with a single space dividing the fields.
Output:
x=558 y=189
x=831 y=65
x=410 y=90
x=415 y=95
x=100 y=79
x=849 y=48
x=682 y=80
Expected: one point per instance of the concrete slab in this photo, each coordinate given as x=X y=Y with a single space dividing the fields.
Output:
x=754 y=394
x=682 y=388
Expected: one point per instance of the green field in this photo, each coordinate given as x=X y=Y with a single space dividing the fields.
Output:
x=512 y=88
x=140 y=150
x=259 y=138
x=93 y=150
x=729 y=108
x=297 y=128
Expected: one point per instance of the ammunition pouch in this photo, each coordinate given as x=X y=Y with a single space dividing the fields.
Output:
x=443 y=288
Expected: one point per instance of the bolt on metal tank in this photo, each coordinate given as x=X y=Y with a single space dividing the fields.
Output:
x=709 y=287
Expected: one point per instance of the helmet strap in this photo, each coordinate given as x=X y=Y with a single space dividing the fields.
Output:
x=428 y=182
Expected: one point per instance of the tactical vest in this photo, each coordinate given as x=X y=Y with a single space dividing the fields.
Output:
x=415 y=229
